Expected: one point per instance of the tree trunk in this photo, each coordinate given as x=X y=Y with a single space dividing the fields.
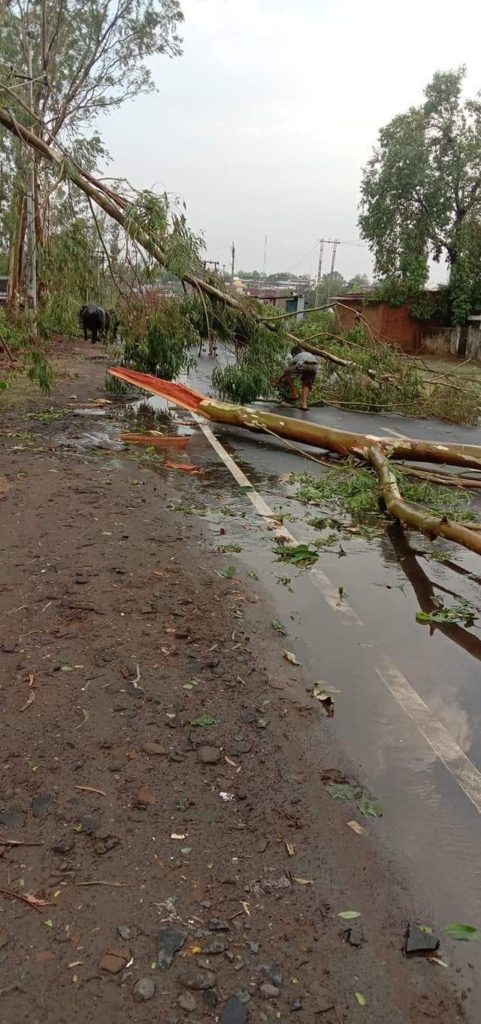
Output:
x=417 y=518
x=15 y=265
x=376 y=450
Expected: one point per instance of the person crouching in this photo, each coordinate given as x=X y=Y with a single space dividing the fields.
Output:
x=302 y=366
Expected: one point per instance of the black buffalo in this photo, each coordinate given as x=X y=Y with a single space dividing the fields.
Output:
x=95 y=319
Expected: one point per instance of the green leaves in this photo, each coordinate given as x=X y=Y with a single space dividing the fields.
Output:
x=279 y=627
x=349 y=915
x=463 y=932
x=420 y=197
x=204 y=721
x=368 y=806
x=463 y=612
x=300 y=555
x=228 y=573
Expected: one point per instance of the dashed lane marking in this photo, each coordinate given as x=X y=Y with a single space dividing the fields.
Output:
x=445 y=748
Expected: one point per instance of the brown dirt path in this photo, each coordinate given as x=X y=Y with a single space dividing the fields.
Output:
x=98 y=577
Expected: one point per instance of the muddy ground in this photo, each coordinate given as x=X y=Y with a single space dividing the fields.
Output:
x=167 y=763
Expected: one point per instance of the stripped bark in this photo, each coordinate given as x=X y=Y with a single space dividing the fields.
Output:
x=418 y=518
x=376 y=450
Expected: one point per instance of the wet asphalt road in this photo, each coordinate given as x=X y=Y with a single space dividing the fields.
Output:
x=433 y=827
x=429 y=824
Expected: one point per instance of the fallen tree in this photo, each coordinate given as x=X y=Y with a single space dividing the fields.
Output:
x=150 y=232
x=375 y=450
x=123 y=210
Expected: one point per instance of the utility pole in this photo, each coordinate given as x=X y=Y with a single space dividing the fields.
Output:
x=319 y=270
x=233 y=260
x=32 y=241
x=322 y=242
x=265 y=256
x=335 y=244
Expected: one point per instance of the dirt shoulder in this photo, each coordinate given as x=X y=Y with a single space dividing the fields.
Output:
x=156 y=748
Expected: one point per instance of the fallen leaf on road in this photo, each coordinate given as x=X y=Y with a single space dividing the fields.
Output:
x=356 y=827
x=279 y=627
x=30 y=701
x=463 y=932
x=33 y=901
x=349 y=915
x=291 y=658
x=304 y=881
x=360 y=998
x=186 y=467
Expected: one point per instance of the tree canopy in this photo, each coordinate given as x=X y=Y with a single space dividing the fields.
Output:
x=88 y=57
x=421 y=194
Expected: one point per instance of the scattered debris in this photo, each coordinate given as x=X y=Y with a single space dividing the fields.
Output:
x=366 y=805
x=144 y=798
x=144 y=990
x=355 y=934
x=41 y=804
x=200 y=981
x=322 y=694
x=115 y=960
x=91 y=789
x=268 y=991
x=234 y=1011
x=204 y=722
x=463 y=932
x=291 y=658
x=17 y=842
x=420 y=940
x=274 y=973
x=463 y=612
x=155 y=440
x=30 y=700
x=185 y=467
x=300 y=555
x=279 y=627
x=356 y=827
x=32 y=901
x=169 y=942
x=187 y=1002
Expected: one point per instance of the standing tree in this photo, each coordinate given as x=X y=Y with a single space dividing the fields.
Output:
x=88 y=57
x=421 y=194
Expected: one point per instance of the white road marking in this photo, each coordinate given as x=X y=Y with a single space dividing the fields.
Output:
x=445 y=748
x=436 y=735
x=323 y=583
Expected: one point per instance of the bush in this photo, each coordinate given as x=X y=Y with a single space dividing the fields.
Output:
x=158 y=337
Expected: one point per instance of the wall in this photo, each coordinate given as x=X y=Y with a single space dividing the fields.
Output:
x=439 y=341
x=393 y=325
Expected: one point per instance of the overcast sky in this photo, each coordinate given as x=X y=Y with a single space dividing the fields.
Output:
x=264 y=123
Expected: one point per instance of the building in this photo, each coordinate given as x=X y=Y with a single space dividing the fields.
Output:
x=285 y=300
x=393 y=324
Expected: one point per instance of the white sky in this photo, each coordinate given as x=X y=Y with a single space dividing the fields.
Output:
x=264 y=123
